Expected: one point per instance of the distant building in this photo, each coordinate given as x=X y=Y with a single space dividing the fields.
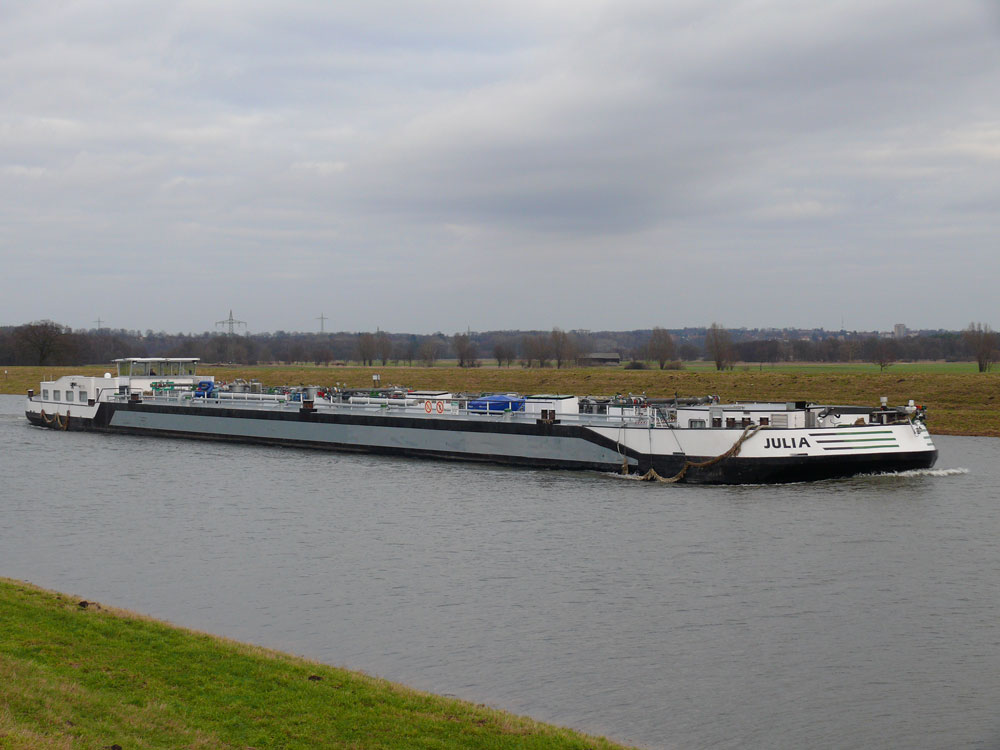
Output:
x=899 y=331
x=595 y=359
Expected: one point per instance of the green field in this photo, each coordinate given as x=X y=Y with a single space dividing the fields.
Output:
x=74 y=676
x=960 y=401
x=835 y=367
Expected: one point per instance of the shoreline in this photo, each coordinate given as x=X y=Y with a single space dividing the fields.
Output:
x=81 y=672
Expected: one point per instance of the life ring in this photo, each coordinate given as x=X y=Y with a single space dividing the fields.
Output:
x=440 y=407
x=428 y=406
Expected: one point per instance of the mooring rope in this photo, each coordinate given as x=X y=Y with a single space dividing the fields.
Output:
x=618 y=445
x=60 y=425
x=749 y=432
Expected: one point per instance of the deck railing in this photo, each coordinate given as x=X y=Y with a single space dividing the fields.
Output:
x=453 y=408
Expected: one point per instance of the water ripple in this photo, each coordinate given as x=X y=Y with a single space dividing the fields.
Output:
x=850 y=613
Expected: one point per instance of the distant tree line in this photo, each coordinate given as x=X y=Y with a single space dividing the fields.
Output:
x=977 y=343
x=46 y=342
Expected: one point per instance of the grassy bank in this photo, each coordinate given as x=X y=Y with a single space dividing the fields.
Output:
x=93 y=676
x=960 y=401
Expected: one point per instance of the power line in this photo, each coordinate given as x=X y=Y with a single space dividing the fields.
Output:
x=231 y=323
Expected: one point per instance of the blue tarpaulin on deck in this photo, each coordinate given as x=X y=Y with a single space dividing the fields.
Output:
x=497 y=402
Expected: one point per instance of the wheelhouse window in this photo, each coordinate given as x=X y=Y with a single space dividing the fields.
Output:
x=69 y=395
x=45 y=394
x=83 y=396
x=57 y=395
x=697 y=424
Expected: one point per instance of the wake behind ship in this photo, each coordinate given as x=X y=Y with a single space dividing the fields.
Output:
x=697 y=441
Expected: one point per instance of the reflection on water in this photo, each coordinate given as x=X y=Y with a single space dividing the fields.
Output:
x=847 y=613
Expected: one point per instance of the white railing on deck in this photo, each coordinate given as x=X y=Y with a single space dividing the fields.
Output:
x=647 y=418
x=641 y=418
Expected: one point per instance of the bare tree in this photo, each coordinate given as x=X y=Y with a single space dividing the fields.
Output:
x=661 y=347
x=881 y=352
x=406 y=351
x=296 y=351
x=383 y=347
x=430 y=350
x=504 y=351
x=830 y=350
x=41 y=341
x=536 y=348
x=366 y=349
x=719 y=347
x=465 y=349
x=688 y=352
x=982 y=342
x=528 y=349
x=322 y=354
x=562 y=347
x=851 y=348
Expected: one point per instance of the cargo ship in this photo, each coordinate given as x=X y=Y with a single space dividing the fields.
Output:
x=696 y=440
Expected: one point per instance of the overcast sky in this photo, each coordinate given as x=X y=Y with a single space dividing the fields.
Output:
x=423 y=166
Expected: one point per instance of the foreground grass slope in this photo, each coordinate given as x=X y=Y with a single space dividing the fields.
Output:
x=959 y=402
x=74 y=676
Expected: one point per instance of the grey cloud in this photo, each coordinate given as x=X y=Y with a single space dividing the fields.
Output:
x=772 y=139
x=660 y=129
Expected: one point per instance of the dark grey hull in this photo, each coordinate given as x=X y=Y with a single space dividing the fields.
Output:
x=540 y=444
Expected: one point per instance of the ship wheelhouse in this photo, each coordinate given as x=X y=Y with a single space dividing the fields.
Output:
x=162 y=367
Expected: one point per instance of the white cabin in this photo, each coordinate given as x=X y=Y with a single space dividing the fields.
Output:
x=557 y=404
x=793 y=415
x=134 y=375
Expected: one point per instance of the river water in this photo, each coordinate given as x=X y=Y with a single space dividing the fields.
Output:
x=856 y=613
